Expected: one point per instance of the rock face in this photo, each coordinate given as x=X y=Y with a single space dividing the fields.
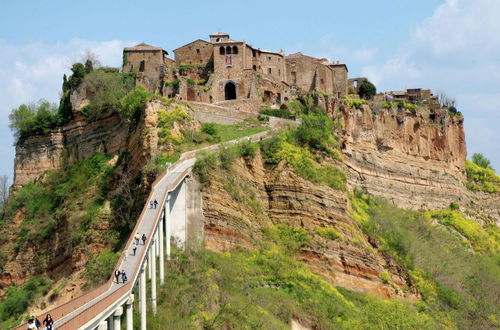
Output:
x=413 y=157
x=278 y=196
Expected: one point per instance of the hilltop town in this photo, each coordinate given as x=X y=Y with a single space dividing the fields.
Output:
x=233 y=73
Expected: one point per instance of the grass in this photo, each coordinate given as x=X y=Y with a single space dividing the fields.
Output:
x=458 y=284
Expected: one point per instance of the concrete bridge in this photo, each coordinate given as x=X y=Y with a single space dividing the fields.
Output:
x=106 y=306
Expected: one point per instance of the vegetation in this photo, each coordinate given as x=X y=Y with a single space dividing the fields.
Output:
x=100 y=268
x=481 y=178
x=481 y=161
x=367 y=90
x=354 y=103
x=280 y=113
x=18 y=298
x=133 y=103
x=457 y=284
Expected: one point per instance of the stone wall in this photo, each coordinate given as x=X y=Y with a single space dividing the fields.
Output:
x=199 y=51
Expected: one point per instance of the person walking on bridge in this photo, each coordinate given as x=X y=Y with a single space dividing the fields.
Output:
x=144 y=239
x=137 y=238
x=155 y=203
x=48 y=322
x=117 y=275
x=134 y=246
x=124 y=276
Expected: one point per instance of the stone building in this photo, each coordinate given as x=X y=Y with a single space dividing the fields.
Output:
x=308 y=74
x=232 y=72
x=149 y=62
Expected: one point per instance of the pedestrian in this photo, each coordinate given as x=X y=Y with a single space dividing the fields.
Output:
x=151 y=204
x=144 y=239
x=117 y=275
x=37 y=322
x=155 y=203
x=134 y=247
x=48 y=322
x=137 y=238
x=31 y=323
x=124 y=276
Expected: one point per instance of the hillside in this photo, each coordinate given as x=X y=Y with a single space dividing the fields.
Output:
x=365 y=215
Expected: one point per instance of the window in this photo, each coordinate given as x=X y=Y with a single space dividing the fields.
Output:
x=279 y=72
x=228 y=50
x=254 y=67
x=269 y=70
x=217 y=40
x=197 y=51
x=269 y=58
x=254 y=53
x=222 y=50
x=322 y=81
x=235 y=50
x=201 y=61
x=230 y=91
x=142 y=66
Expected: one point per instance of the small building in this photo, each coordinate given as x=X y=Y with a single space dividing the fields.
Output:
x=144 y=58
x=196 y=52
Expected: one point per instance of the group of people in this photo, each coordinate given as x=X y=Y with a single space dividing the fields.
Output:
x=153 y=204
x=34 y=323
x=121 y=274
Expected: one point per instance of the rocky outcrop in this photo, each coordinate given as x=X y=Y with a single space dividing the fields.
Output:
x=415 y=158
x=278 y=196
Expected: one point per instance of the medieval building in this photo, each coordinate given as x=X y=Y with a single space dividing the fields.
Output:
x=223 y=70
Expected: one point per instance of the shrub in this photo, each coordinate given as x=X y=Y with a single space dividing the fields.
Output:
x=354 y=103
x=34 y=118
x=481 y=161
x=247 y=149
x=205 y=163
x=367 y=90
x=328 y=233
x=133 y=103
x=385 y=276
x=190 y=82
x=481 y=179
x=209 y=128
x=454 y=206
x=227 y=156
x=315 y=131
x=281 y=113
x=100 y=268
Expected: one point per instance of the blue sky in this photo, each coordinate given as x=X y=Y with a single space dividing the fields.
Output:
x=446 y=45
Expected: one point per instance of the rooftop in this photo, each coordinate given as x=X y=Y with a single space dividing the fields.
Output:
x=144 y=47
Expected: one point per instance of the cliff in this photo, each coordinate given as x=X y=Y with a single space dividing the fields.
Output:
x=414 y=158
x=278 y=197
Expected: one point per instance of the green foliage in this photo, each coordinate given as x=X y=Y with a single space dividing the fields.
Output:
x=100 y=268
x=454 y=206
x=209 y=128
x=385 y=276
x=89 y=66
x=481 y=161
x=455 y=282
x=76 y=78
x=133 y=103
x=315 y=131
x=328 y=233
x=190 y=82
x=174 y=84
x=351 y=90
x=367 y=90
x=105 y=91
x=405 y=105
x=281 y=113
x=247 y=149
x=227 y=156
x=34 y=118
x=18 y=299
x=481 y=178
x=204 y=165
x=354 y=103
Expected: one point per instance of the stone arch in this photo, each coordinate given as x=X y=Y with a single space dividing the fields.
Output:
x=228 y=50
x=222 y=50
x=235 y=50
x=230 y=90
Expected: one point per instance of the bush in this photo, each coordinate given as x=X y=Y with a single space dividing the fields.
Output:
x=205 y=163
x=315 y=131
x=328 y=233
x=133 y=103
x=190 y=82
x=280 y=113
x=247 y=149
x=209 y=128
x=227 y=156
x=100 y=268
x=481 y=178
x=367 y=90
x=34 y=118
x=481 y=161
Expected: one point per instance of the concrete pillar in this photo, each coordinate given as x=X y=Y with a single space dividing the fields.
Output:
x=129 y=310
x=153 y=278
x=111 y=325
x=142 y=298
x=150 y=255
x=161 y=236
x=168 y=225
x=103 y=325
x=157 y=250
x=117 y=317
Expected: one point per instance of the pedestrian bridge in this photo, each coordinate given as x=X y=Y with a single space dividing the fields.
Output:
x=105 y=306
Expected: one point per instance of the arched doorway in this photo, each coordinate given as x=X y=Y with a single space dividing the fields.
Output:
x=230 y=91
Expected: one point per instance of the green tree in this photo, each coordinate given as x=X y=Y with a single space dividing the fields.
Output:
x=133 y=103
x=315 y=131
x=367 y=90
x=481 y=161
x=76 y=78
x=89 y=66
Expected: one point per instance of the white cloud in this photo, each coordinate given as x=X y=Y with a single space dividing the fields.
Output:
x=455 y=50
x=34 y=70
x=365 y=54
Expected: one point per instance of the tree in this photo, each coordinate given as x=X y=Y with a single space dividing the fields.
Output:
x=89 y=66
x=446 y=101
x=367 y=90
x=91 y=57
x=76 y=78
x=481 y=161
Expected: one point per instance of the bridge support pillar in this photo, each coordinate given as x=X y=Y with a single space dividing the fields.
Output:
x=168 y=225
x=117 y=317
x=161 y=235
x=142 y=298
x=111 y=325
x=103 y=325
x=153 y=277
x=150 y=256
x=129 y=305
